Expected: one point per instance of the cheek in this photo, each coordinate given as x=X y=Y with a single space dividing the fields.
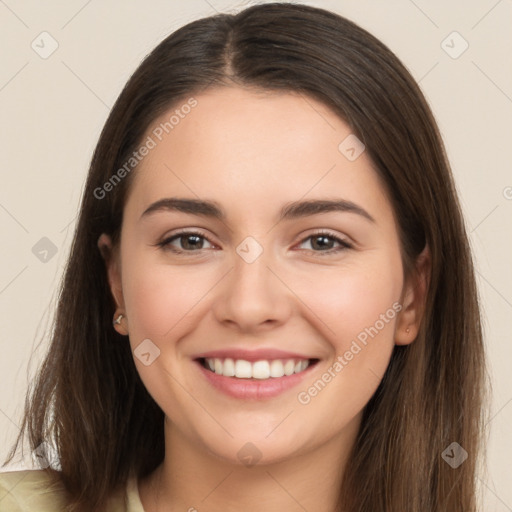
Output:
x=355 y=297
x=160 y=298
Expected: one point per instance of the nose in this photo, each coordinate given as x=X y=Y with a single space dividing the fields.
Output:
x=253 y=297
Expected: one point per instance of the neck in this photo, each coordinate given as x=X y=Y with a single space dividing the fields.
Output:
x=191 y=479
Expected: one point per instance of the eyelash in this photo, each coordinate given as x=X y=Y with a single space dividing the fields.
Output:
x=165 y=244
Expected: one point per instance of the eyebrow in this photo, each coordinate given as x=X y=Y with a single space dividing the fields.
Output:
x=293 y=210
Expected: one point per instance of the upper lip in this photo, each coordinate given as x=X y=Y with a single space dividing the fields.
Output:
x=250 y=355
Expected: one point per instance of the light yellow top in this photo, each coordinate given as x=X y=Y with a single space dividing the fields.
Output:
x=31 y=490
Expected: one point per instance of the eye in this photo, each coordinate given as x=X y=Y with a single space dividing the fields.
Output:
x=323 y=241
x=193 y=241
x=190 y=241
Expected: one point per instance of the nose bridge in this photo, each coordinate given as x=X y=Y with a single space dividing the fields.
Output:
x=251 y=277
x=251 y=266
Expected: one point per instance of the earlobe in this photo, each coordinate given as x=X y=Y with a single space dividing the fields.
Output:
x=414 y=300
x=112 y=267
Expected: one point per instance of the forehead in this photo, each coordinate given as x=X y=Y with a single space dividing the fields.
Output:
x=263 y=146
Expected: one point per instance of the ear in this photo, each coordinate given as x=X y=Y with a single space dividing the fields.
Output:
x=413 y=300
x=112 y=263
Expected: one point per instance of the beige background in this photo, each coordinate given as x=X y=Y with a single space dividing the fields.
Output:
x=53 y=109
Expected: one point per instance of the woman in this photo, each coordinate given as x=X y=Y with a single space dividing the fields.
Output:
x=270 y=300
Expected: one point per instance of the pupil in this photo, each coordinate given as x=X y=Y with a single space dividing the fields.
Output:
x=324 y=243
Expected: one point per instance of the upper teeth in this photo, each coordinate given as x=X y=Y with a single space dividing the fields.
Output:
x=258 y=370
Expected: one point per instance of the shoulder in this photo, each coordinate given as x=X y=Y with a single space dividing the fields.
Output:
x=42 y=491
x=30 y=490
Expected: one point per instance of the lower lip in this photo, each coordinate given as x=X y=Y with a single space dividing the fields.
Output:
x=254 y=389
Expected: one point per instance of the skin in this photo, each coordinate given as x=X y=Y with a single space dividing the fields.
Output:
x=253 y=152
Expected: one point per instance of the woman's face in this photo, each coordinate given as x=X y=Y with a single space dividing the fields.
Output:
x=256 y=286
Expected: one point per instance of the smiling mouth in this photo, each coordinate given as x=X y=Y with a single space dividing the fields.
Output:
x=256 y=370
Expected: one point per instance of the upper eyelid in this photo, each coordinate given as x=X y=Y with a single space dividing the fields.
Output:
x=187 y=231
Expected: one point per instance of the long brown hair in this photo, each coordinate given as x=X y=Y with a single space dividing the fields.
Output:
x=88 y=399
